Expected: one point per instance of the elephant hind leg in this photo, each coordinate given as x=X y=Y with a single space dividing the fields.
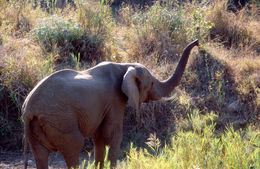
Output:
x=72 y=148
x=35 y=137
x=40 y=153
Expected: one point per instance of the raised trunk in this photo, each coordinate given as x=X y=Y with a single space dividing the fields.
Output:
x=165 y=87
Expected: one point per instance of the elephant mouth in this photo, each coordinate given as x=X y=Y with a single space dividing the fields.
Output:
x=146 y=100
x=151 y=98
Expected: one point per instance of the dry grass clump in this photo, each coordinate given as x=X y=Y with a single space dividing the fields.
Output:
x=239 y=29
x=234 y=86
x=162 y=31
x=17 y=17
x=152 y=34
x=152 y=47
x=149 y=35
x=10 y=13
x=21 y=67
x=97 y=21
x=210 y=82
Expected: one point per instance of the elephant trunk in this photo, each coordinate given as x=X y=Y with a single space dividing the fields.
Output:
x=165 y=87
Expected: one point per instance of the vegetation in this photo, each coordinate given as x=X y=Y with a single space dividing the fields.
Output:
x=196 y=145
x=213 y=122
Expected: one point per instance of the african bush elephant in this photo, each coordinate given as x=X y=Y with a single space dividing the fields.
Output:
x=69 y=106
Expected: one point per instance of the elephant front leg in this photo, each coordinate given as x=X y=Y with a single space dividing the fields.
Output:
x=99 y=144
x=112 y=129
x=114 y=148
x=113 y=152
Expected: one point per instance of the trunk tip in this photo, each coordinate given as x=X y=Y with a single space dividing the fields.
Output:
x=196 y=42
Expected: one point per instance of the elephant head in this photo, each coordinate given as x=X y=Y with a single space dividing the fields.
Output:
x=141 y=86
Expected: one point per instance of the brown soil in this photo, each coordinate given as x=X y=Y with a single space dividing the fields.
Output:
x=15 y=160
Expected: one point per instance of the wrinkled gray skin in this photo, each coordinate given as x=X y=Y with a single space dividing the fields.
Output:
x=69 y=106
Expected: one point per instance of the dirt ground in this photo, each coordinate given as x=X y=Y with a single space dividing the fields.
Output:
x=15 y=160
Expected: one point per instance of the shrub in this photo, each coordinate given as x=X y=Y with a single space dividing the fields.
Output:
x=97 y=21
x=56 y=32
x=229 y=28
x=196 y=23
x=17 y=17
x=154 y=34
x=201 y=148
x=84 y=39
x=20 y=69
x=163 y=30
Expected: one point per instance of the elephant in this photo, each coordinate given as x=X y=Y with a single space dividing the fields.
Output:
x=68 y=106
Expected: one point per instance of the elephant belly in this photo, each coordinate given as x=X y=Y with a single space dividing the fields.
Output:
x=90 y=109
x=91 y=119
x=74 y=106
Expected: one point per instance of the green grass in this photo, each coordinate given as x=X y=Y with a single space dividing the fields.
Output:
x=199 y=147
x=202 y=148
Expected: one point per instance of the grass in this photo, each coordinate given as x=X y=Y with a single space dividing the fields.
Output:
x=199 y=147
x=82 y=35
x=234 y=29
x=221 y=77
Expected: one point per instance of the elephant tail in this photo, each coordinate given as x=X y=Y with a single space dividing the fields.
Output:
x=25 y=151
x=26 y=143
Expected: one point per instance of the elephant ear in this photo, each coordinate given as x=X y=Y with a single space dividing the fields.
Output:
x=130 y=89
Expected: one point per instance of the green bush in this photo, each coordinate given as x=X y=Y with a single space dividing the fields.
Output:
x=201 y=147
x=196 y=24
x=155 y=34
x=68 y=37
x=159 y=19
x=96 y=20
x=56 y=31
x=163 y=30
